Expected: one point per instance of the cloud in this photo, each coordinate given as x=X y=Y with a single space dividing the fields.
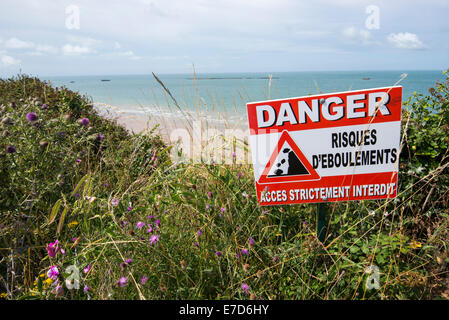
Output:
x=129 y=54
x=84 y=41
x=15 y=43
x=6 y=60
x=405 y=40
x=80 y=45
x=358 y=36
x=74 y=50
x=42 y=49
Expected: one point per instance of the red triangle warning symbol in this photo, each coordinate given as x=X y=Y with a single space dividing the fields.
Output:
x=287 y=164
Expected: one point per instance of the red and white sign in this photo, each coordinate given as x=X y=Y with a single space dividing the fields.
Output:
x=330 y=147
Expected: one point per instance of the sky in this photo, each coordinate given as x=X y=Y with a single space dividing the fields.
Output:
x=82 y=37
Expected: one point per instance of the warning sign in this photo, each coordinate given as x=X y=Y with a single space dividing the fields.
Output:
x=330 y=147
x=287 y=163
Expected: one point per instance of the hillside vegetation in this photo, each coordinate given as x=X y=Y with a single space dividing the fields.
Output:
x=79 y=190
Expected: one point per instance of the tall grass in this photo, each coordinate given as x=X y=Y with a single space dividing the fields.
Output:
x=203 y=235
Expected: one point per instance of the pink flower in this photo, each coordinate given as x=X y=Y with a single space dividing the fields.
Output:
x=52 y=249
x=154 y=239
x=86 y=268
x=114 y=202
x=140 y=225
x=53 y=273
x=251 y=241
x=143 y=280
x=123 y=281
x=245 y=288
x=245 y=252
x=86 y=288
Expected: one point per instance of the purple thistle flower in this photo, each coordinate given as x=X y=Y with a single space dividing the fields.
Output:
x=154 y=239
x=209 y=194
x=218 y=253
x=100 y=137
x=197 y=244
x=86 y=289
x=223 y=210
x=114 y=202
x=31 y=117
x=150 y=217
x=245 y=252
x=240 y=175
x=157 y=222
x=233 y=155
x=143 y=280
x=199 y=232
x=44 y=106
x=130 y=207
x=245 y=288
x=140 y=225
x=78 y=160
x=207 y=206
x=123 y=281
x=150 y=229
x=251 y=241
x=10 y=149
x=84 y=122
x=53 y=273
x=77 y=195
x=275 y=258
x=128 y=261
x=59 y=290
x=122 y=265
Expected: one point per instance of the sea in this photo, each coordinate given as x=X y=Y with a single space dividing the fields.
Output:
x=228 y=93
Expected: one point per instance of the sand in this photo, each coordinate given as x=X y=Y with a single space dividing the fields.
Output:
x=200 y=135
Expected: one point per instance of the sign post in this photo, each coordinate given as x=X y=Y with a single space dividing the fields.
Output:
x=321 y=221
x=326 y=148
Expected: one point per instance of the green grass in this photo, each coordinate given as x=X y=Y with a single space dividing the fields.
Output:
x=46 y=194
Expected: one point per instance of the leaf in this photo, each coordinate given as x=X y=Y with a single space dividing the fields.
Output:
x=61 y=221
x=354 y=249
x=79 y=184
x=54 y=211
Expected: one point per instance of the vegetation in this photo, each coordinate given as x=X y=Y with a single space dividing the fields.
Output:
x=138 y=226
